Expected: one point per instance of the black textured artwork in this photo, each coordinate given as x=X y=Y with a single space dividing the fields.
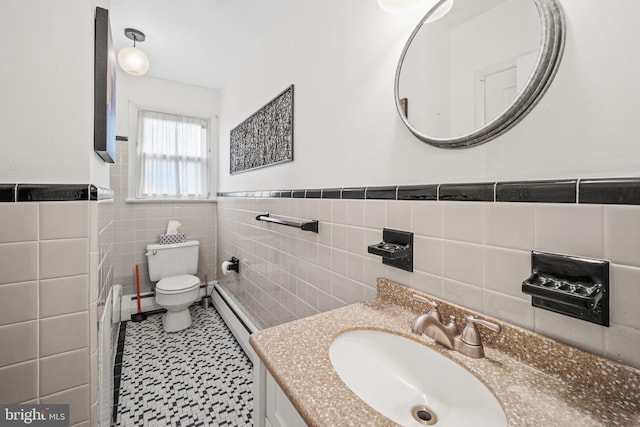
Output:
x=265 y=138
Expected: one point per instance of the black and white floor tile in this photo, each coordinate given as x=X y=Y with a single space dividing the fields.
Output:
x=196 y=377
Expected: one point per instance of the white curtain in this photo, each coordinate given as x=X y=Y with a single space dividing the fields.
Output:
x=172 y=156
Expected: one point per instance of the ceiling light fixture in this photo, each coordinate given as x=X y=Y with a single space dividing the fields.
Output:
x=395 y=6
x=440 y=11
x=132 y=59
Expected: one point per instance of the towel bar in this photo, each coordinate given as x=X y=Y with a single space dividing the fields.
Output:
x=306 y=226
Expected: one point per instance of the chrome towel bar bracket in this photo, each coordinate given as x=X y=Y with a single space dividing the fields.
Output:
x=305 y=226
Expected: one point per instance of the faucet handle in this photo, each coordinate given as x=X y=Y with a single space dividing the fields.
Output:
x=434 y=305
x=470 y=334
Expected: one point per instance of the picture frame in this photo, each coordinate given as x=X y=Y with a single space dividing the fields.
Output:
x=265 y=138
x=104 y=117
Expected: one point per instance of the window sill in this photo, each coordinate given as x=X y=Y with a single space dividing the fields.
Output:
x=171 y=200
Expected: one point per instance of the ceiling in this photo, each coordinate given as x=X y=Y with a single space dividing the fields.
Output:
x=198 y=42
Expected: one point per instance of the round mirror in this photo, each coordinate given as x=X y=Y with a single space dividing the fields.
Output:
x=473 y=68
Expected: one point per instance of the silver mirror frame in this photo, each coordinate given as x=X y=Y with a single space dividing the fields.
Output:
x=551 y=48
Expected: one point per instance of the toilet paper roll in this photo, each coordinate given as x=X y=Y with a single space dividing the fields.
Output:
x=225 y=267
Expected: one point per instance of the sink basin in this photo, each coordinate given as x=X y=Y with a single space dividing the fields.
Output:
x=407 y=382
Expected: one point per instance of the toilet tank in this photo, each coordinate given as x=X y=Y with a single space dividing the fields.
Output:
x=172 y=260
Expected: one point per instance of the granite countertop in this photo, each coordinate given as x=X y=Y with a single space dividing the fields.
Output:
x=537 y=381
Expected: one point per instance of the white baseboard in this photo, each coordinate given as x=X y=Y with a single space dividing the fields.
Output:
x=129 y=305
x=235 y=320
x=117 y=304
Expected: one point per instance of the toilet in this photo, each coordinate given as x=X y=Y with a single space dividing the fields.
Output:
x=173 y=268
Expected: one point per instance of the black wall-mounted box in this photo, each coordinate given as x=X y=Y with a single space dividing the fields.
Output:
x=574 y=286
x=396 y=249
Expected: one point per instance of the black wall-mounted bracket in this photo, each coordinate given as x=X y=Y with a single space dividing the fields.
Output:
x=396 y=249
x=235 y=264
x=574 y=286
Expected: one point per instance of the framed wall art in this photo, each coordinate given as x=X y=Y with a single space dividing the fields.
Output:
x=104 y=113
x=266 y=137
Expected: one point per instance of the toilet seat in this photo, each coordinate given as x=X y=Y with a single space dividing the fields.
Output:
x=177 y=284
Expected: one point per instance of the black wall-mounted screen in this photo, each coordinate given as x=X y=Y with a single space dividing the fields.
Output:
x=104 y=117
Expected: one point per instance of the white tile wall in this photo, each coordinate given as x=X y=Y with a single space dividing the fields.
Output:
x=138 y=224
x=570 y=229
x=463 y=221
x=427 y=218
x=474 y=254
x=622 y=234
x=56 y=265
x=509 y=225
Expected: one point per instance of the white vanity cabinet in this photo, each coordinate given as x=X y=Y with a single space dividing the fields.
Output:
x=280 y=412
x=272 y=407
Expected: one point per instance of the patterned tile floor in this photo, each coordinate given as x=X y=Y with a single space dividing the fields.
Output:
x=196 y=377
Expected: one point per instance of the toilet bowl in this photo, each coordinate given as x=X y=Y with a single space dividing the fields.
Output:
x=176 y=294
x=172 y=267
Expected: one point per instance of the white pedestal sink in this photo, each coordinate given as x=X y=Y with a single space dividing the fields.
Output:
x=394 y=375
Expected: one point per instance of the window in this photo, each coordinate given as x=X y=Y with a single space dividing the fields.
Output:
x=172 y=156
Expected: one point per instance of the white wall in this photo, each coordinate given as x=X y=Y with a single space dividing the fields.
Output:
x=342 y=58
x=162 y=94
x=46 y=82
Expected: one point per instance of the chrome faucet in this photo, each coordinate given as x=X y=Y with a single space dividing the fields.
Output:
x=469 y=342
x=420 y=323
x=431 y=325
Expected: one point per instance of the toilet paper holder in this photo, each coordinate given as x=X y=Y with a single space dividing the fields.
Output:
x=234 y=264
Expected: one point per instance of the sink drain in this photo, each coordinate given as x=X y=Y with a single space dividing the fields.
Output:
x=424 y=415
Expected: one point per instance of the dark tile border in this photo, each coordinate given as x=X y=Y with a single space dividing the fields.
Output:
x=480 y=192
x=353 y=193
x=621 y=191
x=7 y=192
x=117 y=370
x=332 y=193
x=538 y=191
x=314 y=194
x=418 y=192
x=617 y=191
x=53 y=192
x=381 y=193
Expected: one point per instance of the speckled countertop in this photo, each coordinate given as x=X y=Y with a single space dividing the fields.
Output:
x=538 y=381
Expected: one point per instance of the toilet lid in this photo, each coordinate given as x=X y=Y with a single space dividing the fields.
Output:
x=177 y=283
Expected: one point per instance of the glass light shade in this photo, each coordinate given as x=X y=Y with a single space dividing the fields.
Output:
x=440 y=11
x=133 y=61
x=396 y=6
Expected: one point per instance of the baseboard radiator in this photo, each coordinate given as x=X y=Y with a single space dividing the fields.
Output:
x=238 y=322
